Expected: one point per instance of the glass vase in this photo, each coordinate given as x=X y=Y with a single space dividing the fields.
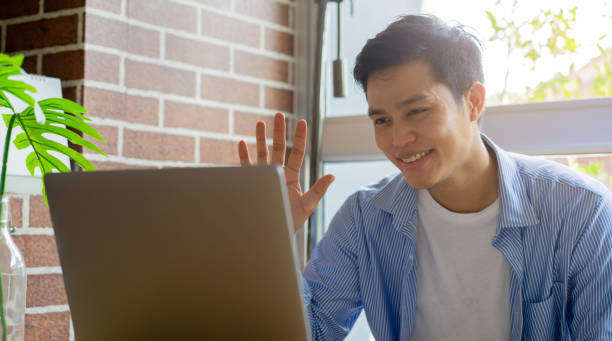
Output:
x=14 y=281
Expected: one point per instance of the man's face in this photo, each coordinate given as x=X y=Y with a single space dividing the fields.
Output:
x=419 y=126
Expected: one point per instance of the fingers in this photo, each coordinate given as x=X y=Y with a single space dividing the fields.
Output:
x=278 y=146
x=294 y=164
x=311 y=198
x=243 y=154
x=260 y=136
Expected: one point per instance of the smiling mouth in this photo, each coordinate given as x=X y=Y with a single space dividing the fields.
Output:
x=416 y=157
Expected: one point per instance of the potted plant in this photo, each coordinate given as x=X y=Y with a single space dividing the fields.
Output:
x=39 y=120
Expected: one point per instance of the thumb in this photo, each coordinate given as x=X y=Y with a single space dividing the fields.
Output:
x=316 y=192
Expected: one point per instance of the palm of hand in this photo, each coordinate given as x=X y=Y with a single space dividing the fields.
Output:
x=302 y=204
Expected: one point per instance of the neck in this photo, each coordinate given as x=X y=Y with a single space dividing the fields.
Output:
x=472 y=188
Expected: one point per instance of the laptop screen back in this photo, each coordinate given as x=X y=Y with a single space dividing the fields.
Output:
x=178 y=254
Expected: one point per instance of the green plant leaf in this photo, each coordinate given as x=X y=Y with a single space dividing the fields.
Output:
x=68 y=134
x=63 y=119
x=570 y=44
x=71 y=122
x=7 y=84
x=42 y=120
x=17 y=89
x=35 y=135
x=4 y=101
x=64 y=105
x=11 y=61
x=43 y=145
x=7 y=71
x=493 y=21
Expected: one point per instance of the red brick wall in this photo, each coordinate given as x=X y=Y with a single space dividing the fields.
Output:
x=168 y=83
x=175 y=83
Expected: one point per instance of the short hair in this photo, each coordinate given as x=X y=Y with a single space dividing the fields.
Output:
x=453 y=53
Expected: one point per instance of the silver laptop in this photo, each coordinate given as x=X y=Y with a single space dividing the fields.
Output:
x=178 y=254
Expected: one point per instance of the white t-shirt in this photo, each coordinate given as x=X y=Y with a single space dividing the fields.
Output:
x=462 y=280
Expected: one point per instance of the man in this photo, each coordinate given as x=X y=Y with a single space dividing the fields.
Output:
x=468 y=242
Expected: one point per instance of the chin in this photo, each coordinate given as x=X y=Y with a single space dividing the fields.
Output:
x=418 y=183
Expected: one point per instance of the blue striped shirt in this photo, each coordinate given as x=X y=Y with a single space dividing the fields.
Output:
x=554 y=230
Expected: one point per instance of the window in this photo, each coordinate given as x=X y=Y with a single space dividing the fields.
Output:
x=538 y=50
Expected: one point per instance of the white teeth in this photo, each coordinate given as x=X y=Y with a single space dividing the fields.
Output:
x=416 y=157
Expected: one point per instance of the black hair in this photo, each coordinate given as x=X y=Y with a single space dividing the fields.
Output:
x=453 y=53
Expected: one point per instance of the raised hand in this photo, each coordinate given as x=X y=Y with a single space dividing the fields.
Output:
x=302 y=204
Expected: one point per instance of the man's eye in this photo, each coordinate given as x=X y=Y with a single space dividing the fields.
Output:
x=417 y=111
x=380 y=121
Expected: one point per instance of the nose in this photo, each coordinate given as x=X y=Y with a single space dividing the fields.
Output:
x=403 y=134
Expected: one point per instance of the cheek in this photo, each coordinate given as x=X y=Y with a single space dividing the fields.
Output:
x=383 y=140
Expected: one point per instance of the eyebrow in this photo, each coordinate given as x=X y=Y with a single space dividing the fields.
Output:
x=406 y=102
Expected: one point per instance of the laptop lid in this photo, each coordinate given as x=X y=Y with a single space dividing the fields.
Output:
x=178 y=254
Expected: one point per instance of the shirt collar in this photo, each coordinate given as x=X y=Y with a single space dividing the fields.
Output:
x=516 y=209
x=399 y=199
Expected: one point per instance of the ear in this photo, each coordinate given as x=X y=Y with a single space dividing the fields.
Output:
x=475 y=99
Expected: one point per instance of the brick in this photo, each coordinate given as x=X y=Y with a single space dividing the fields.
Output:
x=121 y=36
x=56 y=5
x=218 y=151
x=18 y=8
x=190 y=116
x=268 y=10
x=222 y=4
x=280 y=42
x=110 y=134
x=262 y=67
x=120 y=106
x=197 y=53
x=159 y=78
x=39 y=212
x=110 y=165
x=142 y=41
x=42 y=33
x=158 y=146
x=279 y=99
x=16 y=206
x=244 y=123
x=48 y=326
x=44 y=290
x=30 y=64
x=113 y=6
x=67 y=65
x=164 y=13
x=230 y=90
x=102 y=67
x=38 y=250
x=70 y=93
x=225 y=152
x=230 y=29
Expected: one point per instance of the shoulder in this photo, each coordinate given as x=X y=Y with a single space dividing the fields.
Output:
x=551 y=174
x=380 y=193
x=374 y=198
x=557 y=188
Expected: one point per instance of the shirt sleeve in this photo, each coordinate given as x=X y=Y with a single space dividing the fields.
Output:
x=590 y=282
x=331 y=281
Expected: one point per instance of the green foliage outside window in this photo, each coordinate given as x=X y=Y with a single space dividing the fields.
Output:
x=594 y=169
x=549 y=31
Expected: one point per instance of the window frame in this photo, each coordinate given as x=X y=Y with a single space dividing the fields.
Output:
x=555 y=128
